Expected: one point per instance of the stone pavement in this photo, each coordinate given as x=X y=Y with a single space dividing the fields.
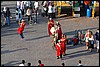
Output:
x=37 y=44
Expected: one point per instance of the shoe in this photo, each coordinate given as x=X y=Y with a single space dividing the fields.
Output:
x=34 y=23
x=57 y=57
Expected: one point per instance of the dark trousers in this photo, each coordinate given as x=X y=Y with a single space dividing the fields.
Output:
x=50 y=15
x=29 y=18
x=21 y=35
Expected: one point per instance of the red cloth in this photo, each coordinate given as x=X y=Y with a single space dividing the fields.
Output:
x=22 y=25
x=75 y=40
x=20 y=30
x=41 y=64
x=59 y=30
x=58 y=49
x=50 y=25
x=63 y=45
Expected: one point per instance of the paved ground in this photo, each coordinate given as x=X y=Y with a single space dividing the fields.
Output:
x=37 y=43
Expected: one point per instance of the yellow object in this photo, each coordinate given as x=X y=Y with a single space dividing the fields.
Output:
x=59 y=10
x=93 y=13
x=62 y=3
x=72 y=13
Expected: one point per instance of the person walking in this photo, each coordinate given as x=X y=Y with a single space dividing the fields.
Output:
x=40 y=63
x=21 y=29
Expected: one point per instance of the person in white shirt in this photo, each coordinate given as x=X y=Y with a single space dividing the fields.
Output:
x=36 y=4
x=91 y=41
x=79 y=63
x=22 y=63
x=50 y=11
x=18 y=4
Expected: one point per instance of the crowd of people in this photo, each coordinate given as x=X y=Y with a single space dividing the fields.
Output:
x=29 y=9
x=59 y=39
x=23 y=63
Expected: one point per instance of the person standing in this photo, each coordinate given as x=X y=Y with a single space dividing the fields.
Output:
x=58 y=50
x=22 y=7
x=50 y=10
x=59 y=30
x=91 y=41
x=87 y=38
x=4 y=16
x=18 y=4
x=50 y=25
x=97 y=39
x=40 y=63
x=54 y=11
x=21 y=29
x=36 y=4
x=63 y=45
x=8 y=16
x=18 y=16
x=29 y=14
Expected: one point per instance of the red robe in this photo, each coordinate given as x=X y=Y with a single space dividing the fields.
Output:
x=50 y=25
x=59 y=31
x=22 y=25
x=75 y=40
x=58 y=49
x=21 y=28
x=63 y=45
x=41 y=64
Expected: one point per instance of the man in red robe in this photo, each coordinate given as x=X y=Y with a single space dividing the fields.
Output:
x=58 y=50
x=50 y=25
x=59 y=30
x=21 y=29
x=63 y=44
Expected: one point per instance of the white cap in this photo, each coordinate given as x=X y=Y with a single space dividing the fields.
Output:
x=23 y=20
x=50 y=19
